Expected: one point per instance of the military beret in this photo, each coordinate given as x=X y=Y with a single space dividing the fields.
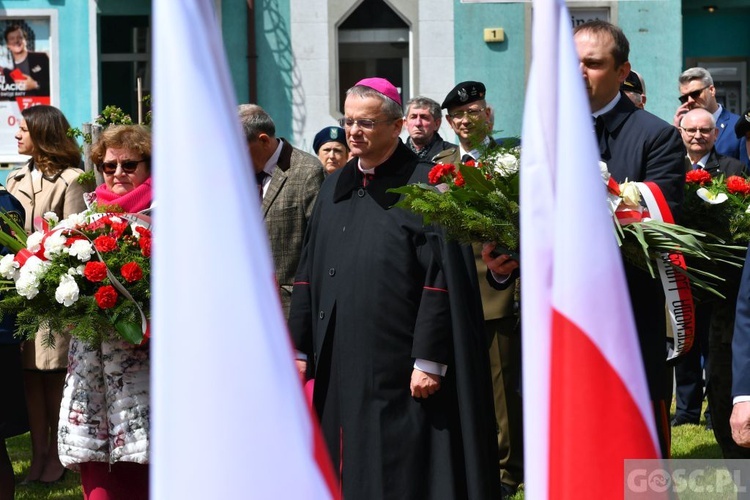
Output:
x=329 y=134
x=632 y=83
x=464 y=93
x=742 y=127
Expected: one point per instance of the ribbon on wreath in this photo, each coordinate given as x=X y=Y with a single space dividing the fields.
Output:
x=676 y=285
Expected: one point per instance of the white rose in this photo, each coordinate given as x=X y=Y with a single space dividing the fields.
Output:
x=9 y=267
x=67 y=292
x=81 y=249
x=54 y=244
x=630 y=193
x=506 y=164
x=34 y=241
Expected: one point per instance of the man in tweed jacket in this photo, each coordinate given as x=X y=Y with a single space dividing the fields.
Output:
x=288 y=181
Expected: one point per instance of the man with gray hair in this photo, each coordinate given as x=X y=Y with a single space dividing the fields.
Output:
x=697 y=91
x=288 y=183
x=422 y=122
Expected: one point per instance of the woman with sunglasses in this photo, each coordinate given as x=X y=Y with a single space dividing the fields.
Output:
x=104 y=417
x=48 y=182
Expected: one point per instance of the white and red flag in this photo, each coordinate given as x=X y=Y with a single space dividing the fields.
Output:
x=229 y=418
x=586 y=401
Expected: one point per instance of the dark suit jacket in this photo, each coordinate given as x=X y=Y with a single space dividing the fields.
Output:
x=741 y=339
x=287 y=206
x=727 y=143
x=638 y=146
x=719 y=164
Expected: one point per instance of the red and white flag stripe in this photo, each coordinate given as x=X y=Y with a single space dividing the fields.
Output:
x=229 y=419
x=586 y=402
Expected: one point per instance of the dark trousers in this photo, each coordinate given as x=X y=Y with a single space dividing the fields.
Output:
x=688 y=371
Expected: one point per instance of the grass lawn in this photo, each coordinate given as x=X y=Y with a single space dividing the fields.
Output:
x=688 y=441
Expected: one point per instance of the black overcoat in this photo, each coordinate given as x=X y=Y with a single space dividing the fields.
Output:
x=376 y=289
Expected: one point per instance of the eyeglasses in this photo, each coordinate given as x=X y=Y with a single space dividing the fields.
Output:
x=128 y=166
x=702 y=130
x=363 y=124
x=693 y=95
x=471 y=114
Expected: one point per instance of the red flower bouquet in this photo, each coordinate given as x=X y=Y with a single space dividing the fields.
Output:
x=87 y=275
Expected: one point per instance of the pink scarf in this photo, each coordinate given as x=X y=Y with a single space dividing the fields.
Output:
x=132 y=202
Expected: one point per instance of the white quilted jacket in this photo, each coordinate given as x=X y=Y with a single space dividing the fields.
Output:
x=104 y=415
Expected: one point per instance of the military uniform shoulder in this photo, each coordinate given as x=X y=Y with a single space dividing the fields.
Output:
x=449 y=155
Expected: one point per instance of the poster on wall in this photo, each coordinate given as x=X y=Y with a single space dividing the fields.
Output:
x=25 y=74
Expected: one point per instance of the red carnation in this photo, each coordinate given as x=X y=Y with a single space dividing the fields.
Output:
x=118 y=227
x=459 y=181
x=105 y=243
x=470 y=163
x=131 y=272
x=143 y=231
x=698 y=176
x=95 y=271
x=439 y=171
x=738 y=185
x=106 y=297
x=145 y=244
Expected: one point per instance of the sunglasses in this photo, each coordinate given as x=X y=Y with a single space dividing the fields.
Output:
x=693 y=95
x=366 y=124
x=128 y=167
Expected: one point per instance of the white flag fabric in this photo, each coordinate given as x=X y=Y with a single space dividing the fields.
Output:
x=229 y=416
x=586 y=402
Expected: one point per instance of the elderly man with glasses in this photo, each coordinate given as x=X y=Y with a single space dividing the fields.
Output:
x=697 y=91
x=386 y=317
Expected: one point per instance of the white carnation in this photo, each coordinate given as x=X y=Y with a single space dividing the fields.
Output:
x=74 y=220
x=82 y=249
x=29 y=276
x=54 y=244
x=67 y=292
x=9 y=267
x=51 y=217
x=34 y=241
x=115 y=220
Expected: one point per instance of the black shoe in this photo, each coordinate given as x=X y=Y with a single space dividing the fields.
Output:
x=678 y=421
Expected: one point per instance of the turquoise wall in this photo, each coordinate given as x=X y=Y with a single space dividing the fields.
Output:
x=275 y=62
x=654 y=30
x=500 y=66
x=234 y=32
x=733 y=23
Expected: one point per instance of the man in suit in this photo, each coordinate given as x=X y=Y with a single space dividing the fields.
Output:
x=636 y=146
x=699 y=133
x=422 y=122
x=288 y=182
x=471 y=119
x=697 y=91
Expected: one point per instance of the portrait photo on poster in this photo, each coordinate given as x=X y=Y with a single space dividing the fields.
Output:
x=25 y=75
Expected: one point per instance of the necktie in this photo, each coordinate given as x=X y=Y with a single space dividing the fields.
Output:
x=696 y=166
x=467 y=158
x=259 y=178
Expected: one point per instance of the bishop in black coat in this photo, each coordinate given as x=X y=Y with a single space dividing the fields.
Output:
x=375 y=290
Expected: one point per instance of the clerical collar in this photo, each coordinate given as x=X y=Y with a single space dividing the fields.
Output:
x=608 y=107
x=474 y=153
x=366 y=170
